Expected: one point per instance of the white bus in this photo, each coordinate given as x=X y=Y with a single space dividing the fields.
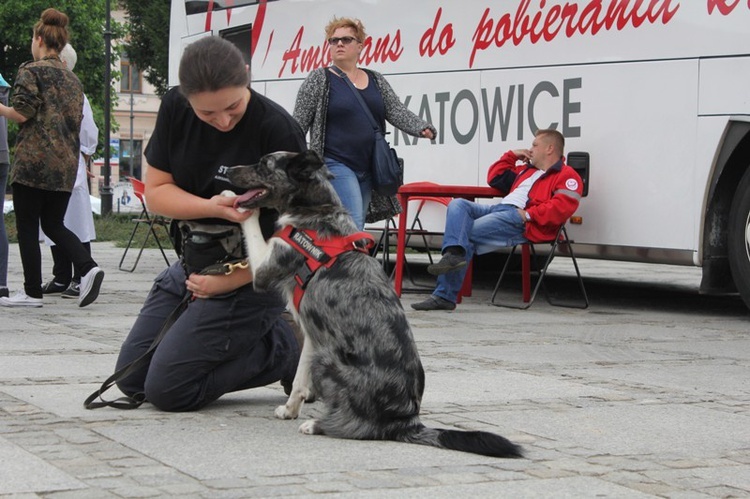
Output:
x=657 y=92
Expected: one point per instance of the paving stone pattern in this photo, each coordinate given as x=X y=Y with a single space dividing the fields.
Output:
x=644 y=394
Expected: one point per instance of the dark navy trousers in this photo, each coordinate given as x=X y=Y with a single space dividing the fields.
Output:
x=218 y=345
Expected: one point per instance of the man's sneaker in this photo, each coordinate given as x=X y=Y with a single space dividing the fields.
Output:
x=90 y=285
x=4 y=292
x=434 y=303
x=21 y=299
x=73 y=291
x=53 y=287
x=449 y=263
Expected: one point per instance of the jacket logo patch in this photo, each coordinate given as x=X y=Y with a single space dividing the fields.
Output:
x=571 y=184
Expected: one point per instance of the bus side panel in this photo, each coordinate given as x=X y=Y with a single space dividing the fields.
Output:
x=450 y=102
x=720 y=94
x=283 y=92
x=641 y=148
x=638 y=122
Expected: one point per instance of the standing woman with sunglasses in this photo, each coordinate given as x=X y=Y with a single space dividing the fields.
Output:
x=340 y=131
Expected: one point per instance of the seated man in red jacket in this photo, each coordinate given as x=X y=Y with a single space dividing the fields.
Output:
x=543 y=192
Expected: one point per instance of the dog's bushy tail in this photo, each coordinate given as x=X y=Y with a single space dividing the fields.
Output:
x=476 y=442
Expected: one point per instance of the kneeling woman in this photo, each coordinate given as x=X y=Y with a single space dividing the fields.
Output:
x=229 y=337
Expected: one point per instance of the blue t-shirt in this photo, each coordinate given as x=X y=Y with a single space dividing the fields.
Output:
x=349 y=134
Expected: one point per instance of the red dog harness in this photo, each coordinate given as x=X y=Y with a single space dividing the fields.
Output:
x=320 y=252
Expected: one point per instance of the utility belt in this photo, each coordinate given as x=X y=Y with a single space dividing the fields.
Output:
x=203 y=245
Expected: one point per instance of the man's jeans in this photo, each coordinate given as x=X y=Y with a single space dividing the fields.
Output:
x=354 y=190
x=477 y=228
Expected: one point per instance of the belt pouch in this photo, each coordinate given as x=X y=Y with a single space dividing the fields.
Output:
x=201 y=248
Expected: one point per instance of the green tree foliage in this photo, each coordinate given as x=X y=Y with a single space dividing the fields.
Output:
x=86 y=28
x=148 y=44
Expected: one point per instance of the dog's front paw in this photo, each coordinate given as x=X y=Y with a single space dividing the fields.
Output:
x=310 y=427
x=282 y=412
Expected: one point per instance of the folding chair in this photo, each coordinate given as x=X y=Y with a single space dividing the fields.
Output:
x=147 y=219
x=417 y=228
x=390 y=228
x=528 y=256
x=383 y=246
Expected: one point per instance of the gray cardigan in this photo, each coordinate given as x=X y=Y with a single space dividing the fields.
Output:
x=312 y=105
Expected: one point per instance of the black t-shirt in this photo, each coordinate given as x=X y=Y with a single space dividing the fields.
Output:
x=197 y=154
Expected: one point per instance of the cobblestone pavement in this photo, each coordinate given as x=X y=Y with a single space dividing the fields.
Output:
x=644 y=394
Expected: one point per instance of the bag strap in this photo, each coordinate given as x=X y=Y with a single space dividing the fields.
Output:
x=134 y=401
x=340 y=73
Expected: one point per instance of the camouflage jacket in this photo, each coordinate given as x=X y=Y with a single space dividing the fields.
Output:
x=51 y=99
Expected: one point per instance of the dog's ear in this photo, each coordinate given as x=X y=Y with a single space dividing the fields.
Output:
x=303 y=166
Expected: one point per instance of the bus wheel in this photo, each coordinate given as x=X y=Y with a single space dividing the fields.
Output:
x=739 y=238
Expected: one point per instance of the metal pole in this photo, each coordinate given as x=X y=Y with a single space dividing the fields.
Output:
x=132 y=155
x=106 y=193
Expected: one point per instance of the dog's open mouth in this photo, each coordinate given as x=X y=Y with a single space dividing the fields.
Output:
x=251 y=198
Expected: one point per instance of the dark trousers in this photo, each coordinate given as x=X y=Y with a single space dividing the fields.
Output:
x=4 y=168
x=218 y=345
x=63 y=268
x=32 y=207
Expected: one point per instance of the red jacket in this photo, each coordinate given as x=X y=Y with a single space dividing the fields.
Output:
x=553 y=198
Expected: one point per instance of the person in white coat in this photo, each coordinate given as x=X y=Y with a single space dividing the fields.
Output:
x=78 y=217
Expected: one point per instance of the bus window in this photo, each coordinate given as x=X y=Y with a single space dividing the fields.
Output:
x=242 y=38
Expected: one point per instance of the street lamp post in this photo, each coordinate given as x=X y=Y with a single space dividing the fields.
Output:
x=131 y=155
x=106 y=192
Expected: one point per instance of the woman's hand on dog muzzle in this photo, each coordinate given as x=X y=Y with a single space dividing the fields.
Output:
x=223 y=207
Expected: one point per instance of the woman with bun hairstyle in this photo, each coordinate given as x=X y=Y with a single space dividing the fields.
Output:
x=47 y=103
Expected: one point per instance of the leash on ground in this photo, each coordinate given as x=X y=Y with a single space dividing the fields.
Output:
x=134 y=401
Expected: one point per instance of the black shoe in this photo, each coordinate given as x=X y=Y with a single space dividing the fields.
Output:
x=53 y=287
x=73 y=291
x=4 y=293
x=287 y=385
x=449 y=263
x=434 y=303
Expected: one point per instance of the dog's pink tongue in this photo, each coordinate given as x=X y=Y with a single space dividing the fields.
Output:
x=246 y=197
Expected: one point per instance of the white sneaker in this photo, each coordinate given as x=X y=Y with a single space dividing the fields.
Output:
x=90 y=285
x=21 y=299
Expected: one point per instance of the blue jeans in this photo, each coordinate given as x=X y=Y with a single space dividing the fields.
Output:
x=477 y=228
x=4 y=167
x=354 y=189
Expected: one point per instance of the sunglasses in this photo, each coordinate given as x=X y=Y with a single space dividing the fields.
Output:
x=346 y=40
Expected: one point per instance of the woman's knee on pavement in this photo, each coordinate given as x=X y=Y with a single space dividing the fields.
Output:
x=170 y=398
